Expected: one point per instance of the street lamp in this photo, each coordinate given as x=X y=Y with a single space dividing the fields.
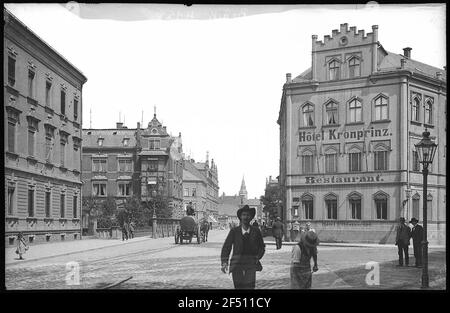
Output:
x=426 y=149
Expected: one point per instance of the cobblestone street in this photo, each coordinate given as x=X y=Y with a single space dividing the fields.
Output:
x=160 y=264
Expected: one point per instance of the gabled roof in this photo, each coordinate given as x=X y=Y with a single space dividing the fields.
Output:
x=194 y=173
x=111 y=137
x=188 y=176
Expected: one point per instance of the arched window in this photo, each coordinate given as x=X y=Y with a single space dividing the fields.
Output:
x=308 y=114
x=429 y=111
x=331 y=161
x=331 y=109
x=334 y=70
x=354 y=200
x=381 y=200
x=308 y=207
x=381 y=156
x=354 y=67
x=307 y=162
x=355 y=111
x=354 y=160
x=415 y=105
x=331 y=205
x=381 y=108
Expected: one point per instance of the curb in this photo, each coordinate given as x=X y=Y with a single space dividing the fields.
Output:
x=352 y=245
x=74 y=252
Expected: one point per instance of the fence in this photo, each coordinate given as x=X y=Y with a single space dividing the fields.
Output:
x=165 y=227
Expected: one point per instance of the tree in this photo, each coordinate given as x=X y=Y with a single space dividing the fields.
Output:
x=271 y=200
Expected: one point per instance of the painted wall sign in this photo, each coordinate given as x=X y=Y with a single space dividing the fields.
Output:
x=343 y=179
x=333 y=134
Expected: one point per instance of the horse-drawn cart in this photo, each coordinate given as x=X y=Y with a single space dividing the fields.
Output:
x=188 y=229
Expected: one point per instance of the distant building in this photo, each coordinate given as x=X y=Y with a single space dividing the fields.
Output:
x=200 y=185
x=42 y=138
x=348 y=126
x=122 y=162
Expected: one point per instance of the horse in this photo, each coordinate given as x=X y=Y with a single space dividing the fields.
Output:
x=204 y=229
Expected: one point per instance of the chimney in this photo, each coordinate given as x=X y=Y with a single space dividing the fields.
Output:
x=138 y=125
x=119 y=125
x=439 y=75
x=407 y=52
x=288 y=77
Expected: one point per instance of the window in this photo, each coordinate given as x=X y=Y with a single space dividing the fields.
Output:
x=308 y=209
x=10 y=199
x=415 y=109
x=75 y=207
x=308 y=115
x=381 y=108
x=152 y=165
x=75 y=109
x=331 y=163
x=31 y=202
x=354 y=67
x=415 y=160
x=63 y=205
x=331 y=205
x=63 y=102
x=429 y=111
x=354 y=159
x=100 y=142
x=334 y=70
x=124 y=189
x=30 y=84
x=125 y=142
x=63 y=153
x=11 y=136
x=186 y=192
x=416 y=206
x=99 y=165
x=332 y=113
x=48 y=93
x=125 y=165
x=355 y=206
x=380 y=160
x=11 y=71
x=194 y=192
x=307 y=163
x=381 y=206
x=295 y=210
x=355 y=109
x=49 y=138
x=31 y=134
x=153 y=144
x=99 y=189
x=47 y=203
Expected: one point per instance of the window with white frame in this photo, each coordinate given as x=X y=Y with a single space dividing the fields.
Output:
x=186 y=192
x=381 y=206
x=308 y=115
x=381 y=108
x=354 y=67
x=334 y=70
x=124 y=189
x=125 y=165
x=331 y=109
x=355 y=206
x=308 y=207
x=429 y=111
x=307 y=162
x=355 y=111
x=331 y=205
x=31 y=76
x=11 y=203
x=48 y=93
x=99 y=165
x=153 y=144
x=415 y=107
x=99 y=189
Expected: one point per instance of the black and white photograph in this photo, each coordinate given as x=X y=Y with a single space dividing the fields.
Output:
x=225 y=147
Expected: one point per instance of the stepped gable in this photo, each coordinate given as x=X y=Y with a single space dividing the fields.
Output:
x=352 y=37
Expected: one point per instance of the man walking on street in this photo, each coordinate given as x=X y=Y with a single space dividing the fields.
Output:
x=402 y=241
x=248 y=248
x=278 y=232
x=417 y=237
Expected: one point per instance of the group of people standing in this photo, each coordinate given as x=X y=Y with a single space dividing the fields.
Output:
x=247 y=243
x=127 y=230
x=404 y=234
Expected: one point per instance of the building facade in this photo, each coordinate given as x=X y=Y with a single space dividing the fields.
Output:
x=122 y=163
x=348 y=126
x=42 y=138
x=201 y=187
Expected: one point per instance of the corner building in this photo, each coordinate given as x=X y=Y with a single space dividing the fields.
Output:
x=42 y=109
x=348 y=126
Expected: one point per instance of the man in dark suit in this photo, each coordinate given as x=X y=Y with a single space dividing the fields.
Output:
x=417 y=237
x=278 y=232
x=402 y=241
x=248 y=248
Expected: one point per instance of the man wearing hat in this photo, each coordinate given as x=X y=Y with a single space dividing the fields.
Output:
x=278 y=232
x=402 y=241
x=248 y=248
x=301 y=275
x=417 y=237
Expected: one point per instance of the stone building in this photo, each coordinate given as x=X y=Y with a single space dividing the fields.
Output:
x=201 y=187
x=123 y=162
x=42 y=138
x=348 y=126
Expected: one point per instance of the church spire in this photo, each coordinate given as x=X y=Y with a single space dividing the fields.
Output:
x=243 y=191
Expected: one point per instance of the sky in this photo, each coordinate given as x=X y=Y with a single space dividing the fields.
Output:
x=213 y=73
